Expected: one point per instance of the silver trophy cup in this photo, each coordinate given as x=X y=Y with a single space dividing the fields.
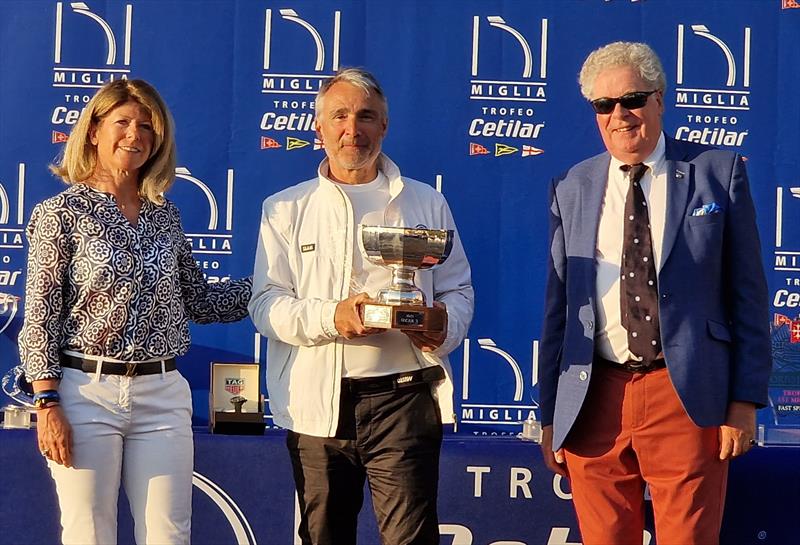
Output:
x=404 y=250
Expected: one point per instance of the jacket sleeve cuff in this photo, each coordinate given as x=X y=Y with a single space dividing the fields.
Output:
x=451 y=340
x=50 y=373
x=327 y=319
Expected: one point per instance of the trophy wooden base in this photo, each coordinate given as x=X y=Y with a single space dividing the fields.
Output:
x=232 y=423
x=408 y=317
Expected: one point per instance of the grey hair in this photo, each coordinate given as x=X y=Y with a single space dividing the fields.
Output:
x=636 y=55
x=354 y=76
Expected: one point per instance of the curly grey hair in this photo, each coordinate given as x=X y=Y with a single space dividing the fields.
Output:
x=354 y=76
x=636 y=55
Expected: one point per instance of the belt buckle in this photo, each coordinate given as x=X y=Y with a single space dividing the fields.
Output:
x=131 y=368
x=638 y=367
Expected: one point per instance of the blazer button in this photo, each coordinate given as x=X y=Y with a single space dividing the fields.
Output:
x=583 y=375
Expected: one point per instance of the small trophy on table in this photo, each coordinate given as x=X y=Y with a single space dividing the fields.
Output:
x=236 y=406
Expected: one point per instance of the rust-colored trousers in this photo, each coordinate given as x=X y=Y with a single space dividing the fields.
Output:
x=633 y=430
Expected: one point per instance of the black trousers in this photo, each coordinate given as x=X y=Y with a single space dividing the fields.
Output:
x=393 y=440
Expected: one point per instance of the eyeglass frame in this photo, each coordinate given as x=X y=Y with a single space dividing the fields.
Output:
x=635 y=95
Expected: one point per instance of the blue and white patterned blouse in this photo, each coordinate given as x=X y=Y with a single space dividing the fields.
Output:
x=101 y=286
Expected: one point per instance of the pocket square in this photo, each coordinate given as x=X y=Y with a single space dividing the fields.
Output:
x=706 y=209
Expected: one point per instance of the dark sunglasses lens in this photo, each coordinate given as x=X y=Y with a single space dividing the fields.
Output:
x=633 y=101
x=604 y=105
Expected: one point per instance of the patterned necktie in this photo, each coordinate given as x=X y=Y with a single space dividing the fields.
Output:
x=639 y=284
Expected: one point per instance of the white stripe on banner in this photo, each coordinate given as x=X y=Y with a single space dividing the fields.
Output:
x=778 y=217
x=239 y=524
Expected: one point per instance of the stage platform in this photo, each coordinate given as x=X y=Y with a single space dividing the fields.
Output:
x=494 y=490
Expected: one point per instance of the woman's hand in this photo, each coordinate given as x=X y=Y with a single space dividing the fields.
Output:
x=55 y=435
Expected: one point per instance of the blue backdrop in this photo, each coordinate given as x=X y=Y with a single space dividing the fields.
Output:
x=484 y=105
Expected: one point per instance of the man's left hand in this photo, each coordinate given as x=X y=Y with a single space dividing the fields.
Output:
x=428 y=341
x=739 y=429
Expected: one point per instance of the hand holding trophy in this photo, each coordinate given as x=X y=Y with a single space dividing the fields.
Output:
x=404 y=250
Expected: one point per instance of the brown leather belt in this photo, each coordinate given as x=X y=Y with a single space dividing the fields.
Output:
x=128 y=369
x=633 y=366
x=390 y=383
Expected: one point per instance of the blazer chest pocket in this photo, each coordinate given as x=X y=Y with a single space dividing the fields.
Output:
x=706 y=220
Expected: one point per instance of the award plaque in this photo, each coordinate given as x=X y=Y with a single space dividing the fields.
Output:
x=235 y=403
x=779 y=423
x=404 y=250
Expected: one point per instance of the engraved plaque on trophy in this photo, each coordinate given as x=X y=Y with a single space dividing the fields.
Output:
x=404 y=250
x=235 y=404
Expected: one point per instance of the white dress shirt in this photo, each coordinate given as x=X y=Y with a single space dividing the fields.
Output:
x=611 y=339
x=390 y=351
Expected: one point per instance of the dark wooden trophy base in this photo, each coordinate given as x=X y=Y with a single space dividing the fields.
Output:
x=407 y=317
x=232 y=423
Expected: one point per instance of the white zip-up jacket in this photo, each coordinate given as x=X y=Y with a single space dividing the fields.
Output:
x=302 y=270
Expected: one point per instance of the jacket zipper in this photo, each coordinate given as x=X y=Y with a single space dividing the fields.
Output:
x=339 y=353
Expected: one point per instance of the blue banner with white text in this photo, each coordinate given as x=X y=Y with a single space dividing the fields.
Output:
x=483 y=104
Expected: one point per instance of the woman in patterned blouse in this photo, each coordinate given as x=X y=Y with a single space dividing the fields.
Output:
x=111 y=286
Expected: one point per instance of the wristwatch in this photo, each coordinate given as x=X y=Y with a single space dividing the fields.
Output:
x=45 y=403
x=45 y=399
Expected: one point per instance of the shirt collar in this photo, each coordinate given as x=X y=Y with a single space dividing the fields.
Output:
x=654 y=161
x=385 y=165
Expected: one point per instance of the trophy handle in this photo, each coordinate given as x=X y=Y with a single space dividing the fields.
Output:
x=17 y=388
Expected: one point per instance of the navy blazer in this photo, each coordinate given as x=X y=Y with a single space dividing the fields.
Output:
x=713 y=303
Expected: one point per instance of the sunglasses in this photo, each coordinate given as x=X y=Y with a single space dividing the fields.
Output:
x=630 y=101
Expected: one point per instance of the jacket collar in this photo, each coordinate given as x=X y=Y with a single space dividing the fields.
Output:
x=678 y=182
x=678 y=172
x=385 y=165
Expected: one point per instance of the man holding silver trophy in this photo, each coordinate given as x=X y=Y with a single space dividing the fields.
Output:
x=362 y=287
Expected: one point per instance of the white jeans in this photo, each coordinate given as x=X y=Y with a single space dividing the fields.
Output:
x=137 y=429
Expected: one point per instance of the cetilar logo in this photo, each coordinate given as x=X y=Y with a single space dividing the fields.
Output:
x=510 y=89
x=516 y=92
x=728 y=94
x=230 y=510
x=292 y=89
x=11 y=237
x=511 y=413
x=298 y=83
x=92 y=74
x=702 y=31
x=209 y=240
x=786 y=259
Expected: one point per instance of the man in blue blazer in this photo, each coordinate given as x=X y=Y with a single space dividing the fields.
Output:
x=655 y=348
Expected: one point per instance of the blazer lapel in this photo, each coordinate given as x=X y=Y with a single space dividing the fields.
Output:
x=678 y=178
x=592 y=190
